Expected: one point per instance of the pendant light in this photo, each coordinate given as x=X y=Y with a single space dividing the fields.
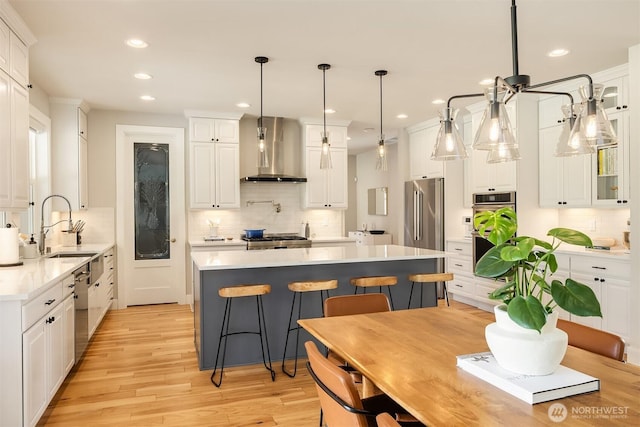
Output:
x=571 y=142
x=325 y=154
x=449 y=144
x=495 y=134
x=263 y=158
x=381 y=163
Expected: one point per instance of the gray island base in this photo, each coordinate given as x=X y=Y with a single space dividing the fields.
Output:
x=214 y=270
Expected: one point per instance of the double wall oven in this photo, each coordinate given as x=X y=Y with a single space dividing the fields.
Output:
x=488 y=202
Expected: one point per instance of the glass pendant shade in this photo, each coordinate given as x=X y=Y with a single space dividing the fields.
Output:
x=596 y=127
x=503 y=153
x=381 y=162
x=263 y=158
x=570 y=142
x=449 y=144
x=495 y=127
x=325 y=154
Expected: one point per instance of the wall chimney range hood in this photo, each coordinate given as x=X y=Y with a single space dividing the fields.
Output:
x=275 y=147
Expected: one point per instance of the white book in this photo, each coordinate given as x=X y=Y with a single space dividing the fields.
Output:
x=530 y=388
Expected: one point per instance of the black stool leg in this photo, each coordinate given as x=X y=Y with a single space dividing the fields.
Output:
x=390 y=296
x=421 y=293
x=446 y=293
x=223 y=333
x=410 y=294
x=262 y=325
x=289 y=330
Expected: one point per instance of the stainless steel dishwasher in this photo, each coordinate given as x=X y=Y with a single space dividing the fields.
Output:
x=82 y=277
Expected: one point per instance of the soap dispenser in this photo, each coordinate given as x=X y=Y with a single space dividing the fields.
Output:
x=307 y=231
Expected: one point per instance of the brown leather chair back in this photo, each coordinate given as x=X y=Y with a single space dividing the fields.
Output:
x=593 y=340
x=341 y=384
x=344 y=305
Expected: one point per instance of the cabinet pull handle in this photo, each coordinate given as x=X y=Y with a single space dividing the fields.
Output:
x=71 y=286
x=596 y=279
x=458 y=285
x=458 y=249
x=599 y=268
x=51 y=301
x=601 y=280
x=458 y=265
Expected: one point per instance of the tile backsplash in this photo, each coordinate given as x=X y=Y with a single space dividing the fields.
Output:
x=596 y=222
x=232 y=222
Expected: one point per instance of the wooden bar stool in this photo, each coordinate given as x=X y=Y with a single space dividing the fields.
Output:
x=429 y=278
x=298 y=289
x=238 y=291
x=379 y=281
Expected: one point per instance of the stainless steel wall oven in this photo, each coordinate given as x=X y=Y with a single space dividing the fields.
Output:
x=488 y=202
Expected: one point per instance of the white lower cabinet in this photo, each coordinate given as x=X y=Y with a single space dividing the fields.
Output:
x=44 y=347
x=610 y=280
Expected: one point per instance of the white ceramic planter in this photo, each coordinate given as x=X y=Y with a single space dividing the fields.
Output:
x=526 y=351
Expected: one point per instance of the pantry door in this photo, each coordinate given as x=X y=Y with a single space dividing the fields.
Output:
x=150 y=215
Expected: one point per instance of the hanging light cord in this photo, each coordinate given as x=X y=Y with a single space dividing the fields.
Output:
x=381 y=137
x=261 y=64
x=324 y=102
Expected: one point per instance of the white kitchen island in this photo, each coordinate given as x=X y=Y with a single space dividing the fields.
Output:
x=216 y=269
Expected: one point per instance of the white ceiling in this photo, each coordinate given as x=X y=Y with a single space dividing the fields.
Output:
x=201 y=53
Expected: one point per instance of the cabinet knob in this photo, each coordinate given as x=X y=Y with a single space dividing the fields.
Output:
x=168 y=240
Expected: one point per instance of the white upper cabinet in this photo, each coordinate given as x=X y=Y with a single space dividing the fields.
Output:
x=337 y=136
x=600 y=179
x=4 y=47
x=69 y=153
x=325 y=188
x=611 y=162
x=488 y=177
x=204 y=129
x=564 y=181
x=214 y=158
x=18 y=60
x=422 y=140
x=14 y=121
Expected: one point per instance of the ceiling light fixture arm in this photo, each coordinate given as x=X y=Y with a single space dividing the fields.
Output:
x=261 y=60
x=447 y=117
x=324 y=68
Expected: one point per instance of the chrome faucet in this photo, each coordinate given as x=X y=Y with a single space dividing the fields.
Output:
x=43 y=233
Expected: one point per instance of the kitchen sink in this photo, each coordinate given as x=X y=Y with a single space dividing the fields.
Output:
x=73 y=255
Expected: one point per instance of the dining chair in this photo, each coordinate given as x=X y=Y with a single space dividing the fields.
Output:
x=386 y=420
x=339 y=399
x=593 y=340
x=345 y=305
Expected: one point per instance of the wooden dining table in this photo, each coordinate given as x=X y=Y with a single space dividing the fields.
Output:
x=411 y=356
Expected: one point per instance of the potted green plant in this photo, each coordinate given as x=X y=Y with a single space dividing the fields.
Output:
x=529 y=297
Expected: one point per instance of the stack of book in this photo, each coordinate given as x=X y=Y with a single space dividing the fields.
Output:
x=530 y=388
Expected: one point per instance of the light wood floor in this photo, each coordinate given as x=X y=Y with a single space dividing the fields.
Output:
x=140 y=369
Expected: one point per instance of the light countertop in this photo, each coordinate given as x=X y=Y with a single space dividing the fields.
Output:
x=224 y=260
x=36 y=275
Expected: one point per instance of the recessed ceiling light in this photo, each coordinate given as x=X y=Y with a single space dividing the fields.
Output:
x=329 y=111
x=557 y=52
x=486 y=82
x=137 y=43
x=402 y=116
x=437 y=101
x=147 y=98
x=142 y=76
x=243 y=105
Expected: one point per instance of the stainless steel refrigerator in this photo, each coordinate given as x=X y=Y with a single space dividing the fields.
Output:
x=424 y=216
